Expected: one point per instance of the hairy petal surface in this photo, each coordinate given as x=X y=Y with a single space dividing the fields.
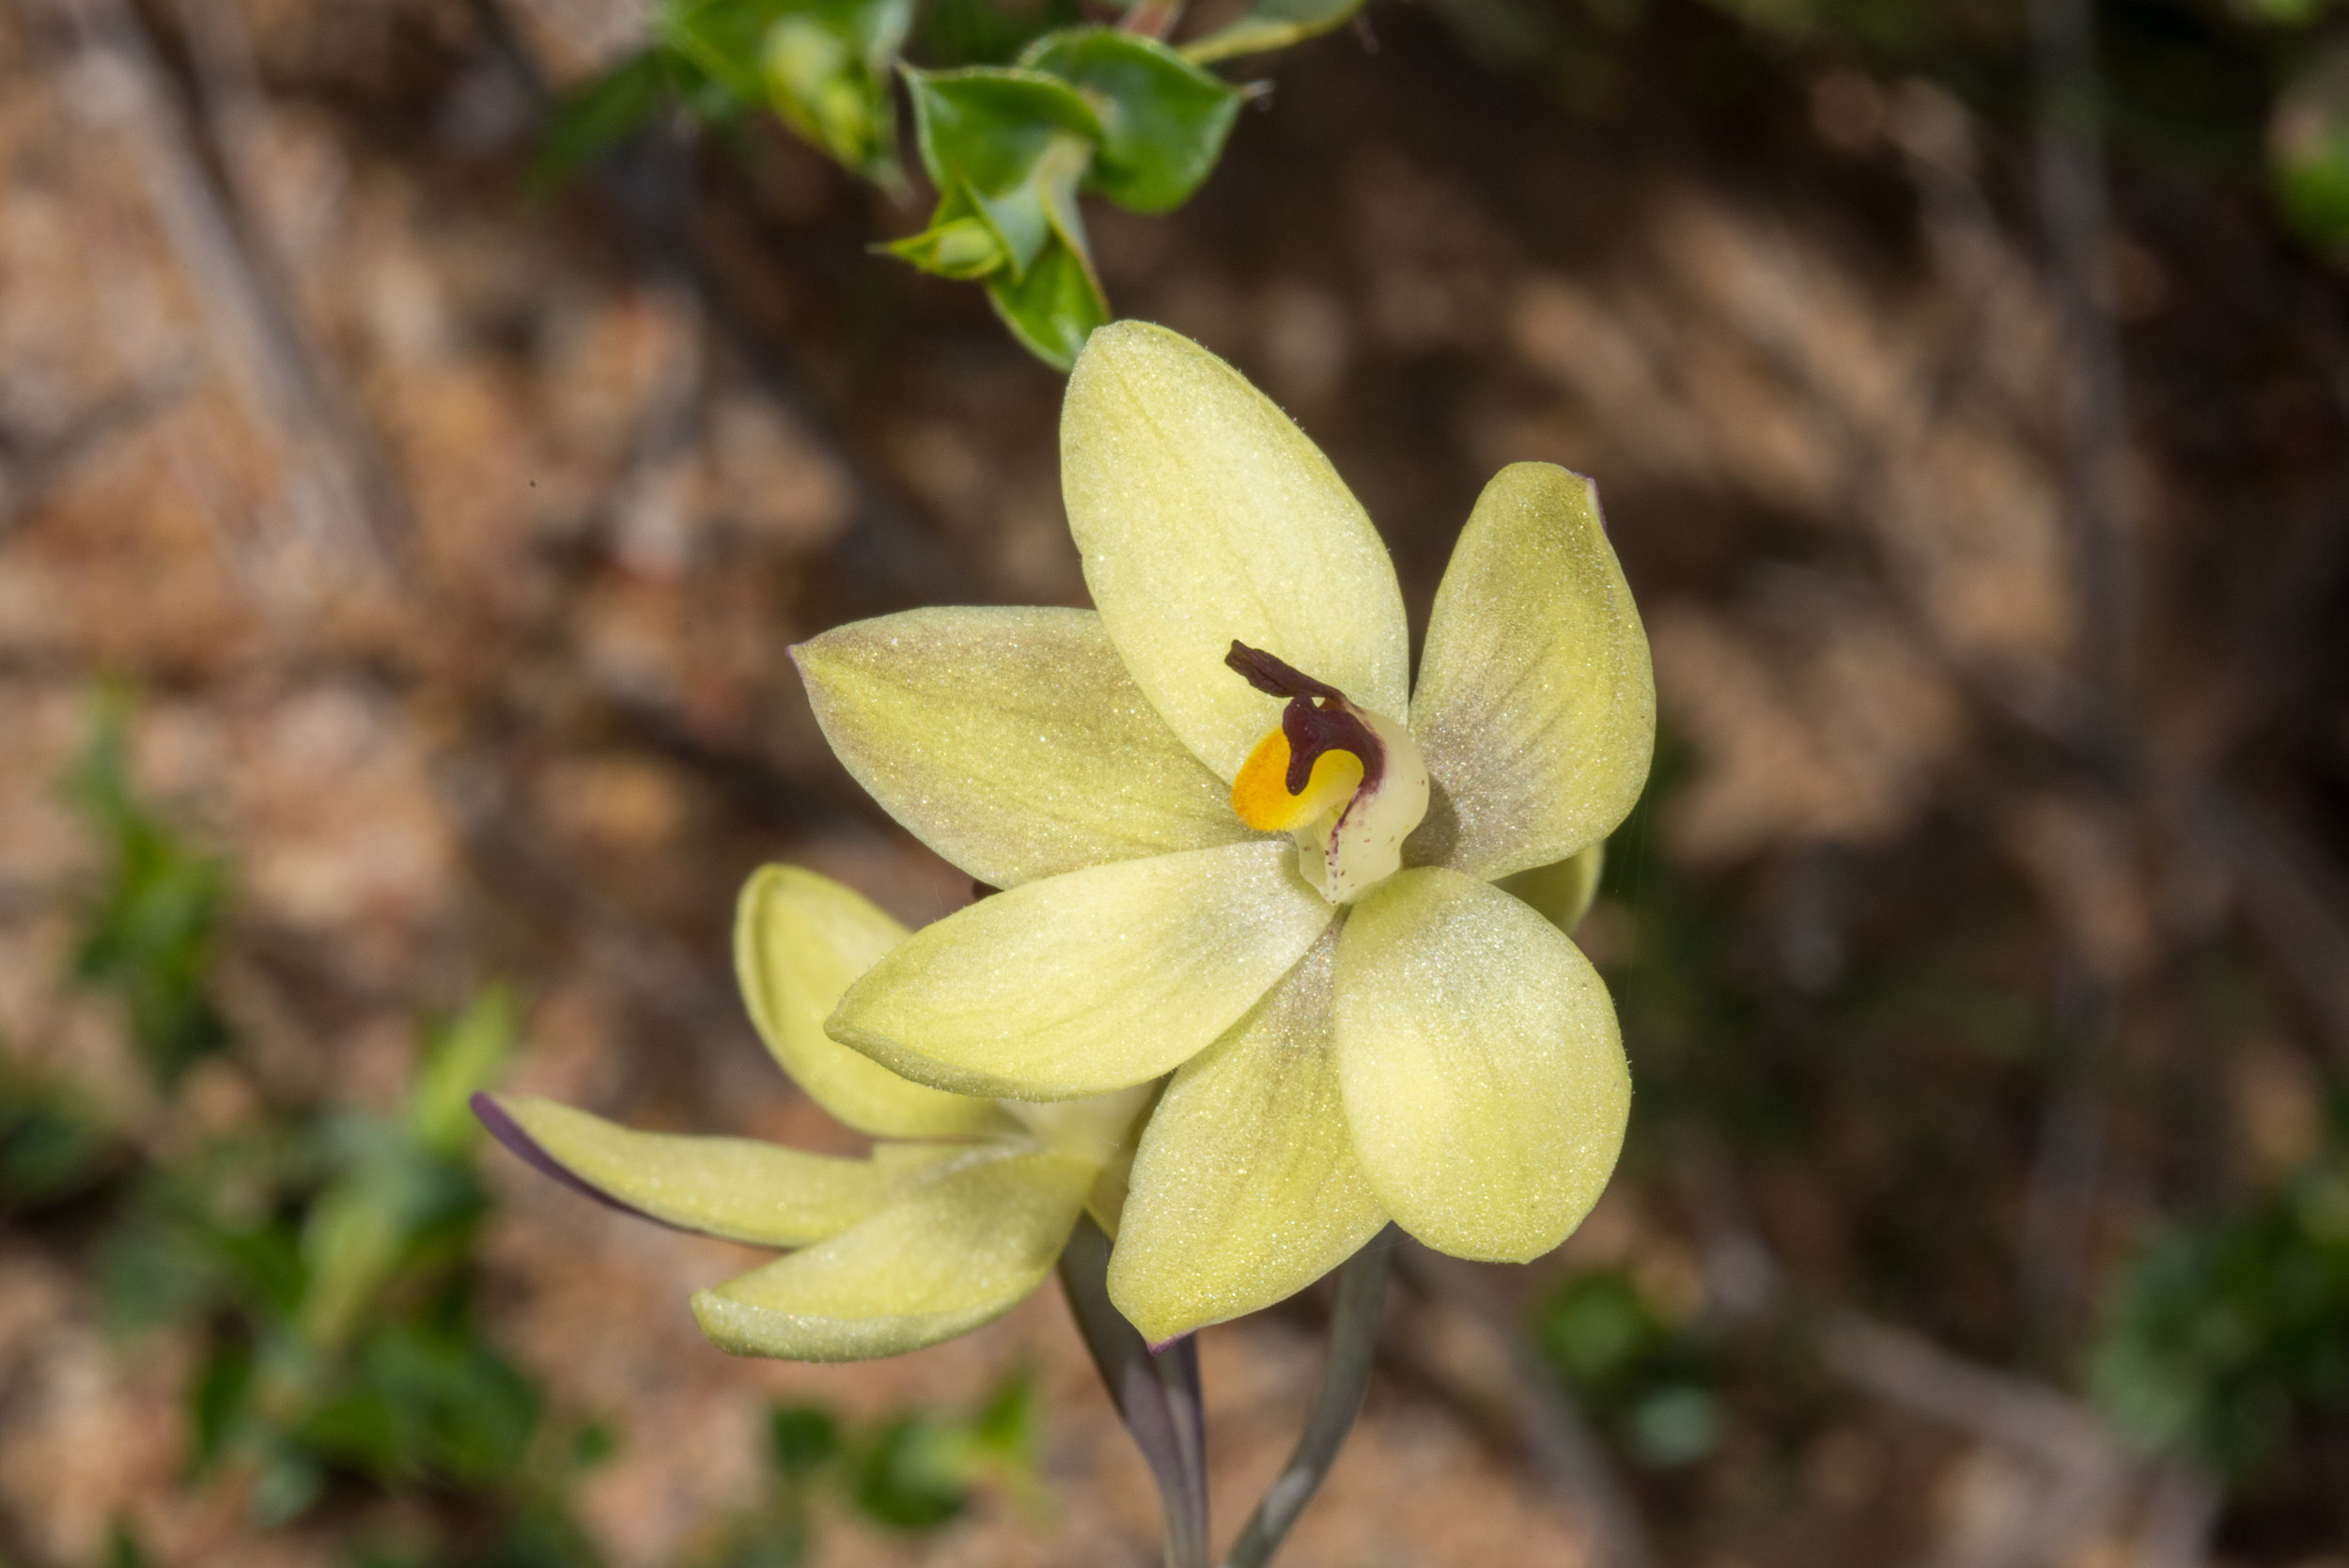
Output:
x=1535 y=709
x=1088 y=982
x=736 y=1188
x=799 y=939
x=1245 y=1190
x=1010 y=741
x=1484 y=1079
x=1203 y=514
x=956 y=1252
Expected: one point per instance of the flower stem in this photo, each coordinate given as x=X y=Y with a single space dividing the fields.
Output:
x=1156 y=1394
x=1353 y=1335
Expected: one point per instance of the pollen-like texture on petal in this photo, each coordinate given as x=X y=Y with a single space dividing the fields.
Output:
x=1203 y=514
x=736 y=1188
x=954 y=1253
x=1536 y=704
x=1089 y=981
x=800 y=939
x=1261 y=798
x=1482 y=1074
x=1010 y=741
x=1246 y=1188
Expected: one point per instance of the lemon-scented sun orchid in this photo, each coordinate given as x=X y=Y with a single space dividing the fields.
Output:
x=1238 y=847
x=915 y=1244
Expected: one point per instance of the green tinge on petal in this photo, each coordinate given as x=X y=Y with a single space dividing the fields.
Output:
x=1011 y=741
x=956 y=1252
x=1205 y=516
x=799 y=939
x=1536 y=705
x=1086 y=982
x=1483 y=1078
x=736 y=1188
x=1246 y=1188
x=1561 y=891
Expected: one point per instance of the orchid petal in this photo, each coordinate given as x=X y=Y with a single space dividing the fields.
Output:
x=737 y=1187
x=1205 y=516
x=1245 y=1190
x=1483 y=1078
x=799 y=939
x=1563 y=891
x=1536 y=708
x=1086 y=982
x=1010 y=741
x=954 y=1253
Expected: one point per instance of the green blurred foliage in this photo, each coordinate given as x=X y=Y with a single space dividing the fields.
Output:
x=1651 y=1384
x=56 y=1139
x=147 y=937
x=1016 y=115
x=910 y=1472
x=2219 y=1338
x=323 y=1258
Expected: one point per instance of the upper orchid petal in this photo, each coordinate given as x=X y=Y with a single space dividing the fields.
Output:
x=1205 y=516
x=1483 y=1078
x=799 y=939
x=1086 y=982
x=1536 y=708
x=1245 y=1188
x=952 y=1254
x=736 y=1188
x=1010 y=741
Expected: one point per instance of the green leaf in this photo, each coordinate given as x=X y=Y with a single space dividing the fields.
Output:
x=588 y=123
x=465 y=1055
x=216 y=1401
x=827 y=76
x=1271 y=24
x=1055 y=307
x=801 y=1439
x=987 y=128
x=954 y=246
x=148 y=938
x=724 y=38
x=1164 y=120
x=910 y=1478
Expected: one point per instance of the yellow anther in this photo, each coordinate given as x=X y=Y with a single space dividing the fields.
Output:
x=1261 y=793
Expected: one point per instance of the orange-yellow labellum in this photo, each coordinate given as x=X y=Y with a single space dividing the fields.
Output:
x=1261 y=795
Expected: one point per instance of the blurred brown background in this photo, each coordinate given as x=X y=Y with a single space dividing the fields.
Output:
x=1983 y=925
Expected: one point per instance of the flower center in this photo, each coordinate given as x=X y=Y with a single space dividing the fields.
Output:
x=1346 y=783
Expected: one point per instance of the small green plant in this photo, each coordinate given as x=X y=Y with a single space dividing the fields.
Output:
x=912 y=1472
x=1012 y=126
x=1652 y=1384
x=148 y=934
x=2219 y=1340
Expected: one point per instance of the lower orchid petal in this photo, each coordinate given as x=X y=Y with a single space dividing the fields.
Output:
x=736 y=1188
x=1088 y=982
x=1483 y=1073
x=956 y=1252
x=1246 y=1188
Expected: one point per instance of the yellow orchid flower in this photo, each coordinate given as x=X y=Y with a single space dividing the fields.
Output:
x=1239 y=846
x=915 y=1244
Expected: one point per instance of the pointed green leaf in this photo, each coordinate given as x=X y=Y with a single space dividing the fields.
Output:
x=988 y=127
x=1271 y=24
x=1055 y=307
x=1164 y=120
x=822 y=86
